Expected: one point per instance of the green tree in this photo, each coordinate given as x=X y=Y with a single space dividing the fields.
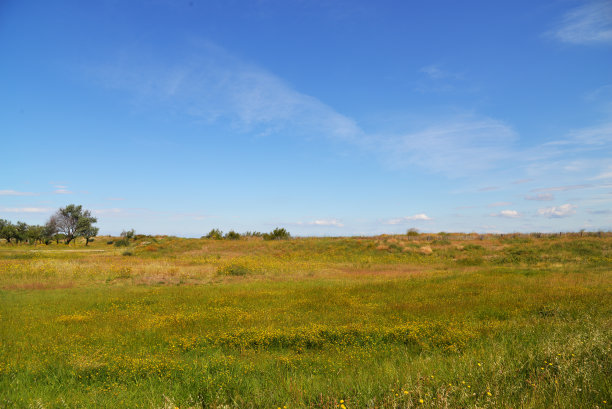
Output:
x=88 y=231
x=50 y=230
x=232 y=235
x=73 y=221
x=21 y=229
x=35 y=233
x=277 y=234
x=7 y=230
x=215 y=234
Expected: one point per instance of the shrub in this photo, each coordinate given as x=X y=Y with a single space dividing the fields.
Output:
x=124 y=242
x=215 y=234
x=277 y=234
x=412 y=232
x=232 y=235
x=129 y=234
x=127 y=253
x=110 y=242
x=234 y=270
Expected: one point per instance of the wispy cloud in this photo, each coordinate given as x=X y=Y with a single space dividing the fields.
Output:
x=600 y=212
x=456 y=148
x=488 y=188
x=327 y=222
x=590 y=23
x=540 y=197
x=521 y=181
x=435 y=72
x=499 y=204
x=561 y=188
x=16 y=193
x=214 y=86
x=564 y=210
x=62 y=192
x=510 y=214
x=114 y=210
x=407 y=219
x=25 y=209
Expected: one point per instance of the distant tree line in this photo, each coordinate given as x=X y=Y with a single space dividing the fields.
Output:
x=276 y=234
x=66 y=224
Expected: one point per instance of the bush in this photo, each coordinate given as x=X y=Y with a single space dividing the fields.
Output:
x=232 y=235
x=124 y=242
x=110 y=242
x=277 y=234
x=127 y=253
x=234 y=270
x=215 y=234
x=412 y=232
x=129 y=234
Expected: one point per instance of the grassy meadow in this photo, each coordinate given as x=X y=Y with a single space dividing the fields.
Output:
x=426 y=321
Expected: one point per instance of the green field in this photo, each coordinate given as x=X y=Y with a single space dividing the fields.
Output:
x=444 y=321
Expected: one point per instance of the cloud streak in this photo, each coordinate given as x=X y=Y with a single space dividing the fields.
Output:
x=590 y=23
x=16 y=193
x=25 y=209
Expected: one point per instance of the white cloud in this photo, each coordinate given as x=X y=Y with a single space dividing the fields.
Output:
x=16 y=193
x=540 y=197
x=320 y=223
x=62 y=192
x=406 y=219
x=25 y=209
x=498 y=204
x=590 y=23
x=511 y=214
x=328 y=222
x=558 y=211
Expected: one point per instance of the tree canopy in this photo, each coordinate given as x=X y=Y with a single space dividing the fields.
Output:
x=73 y=221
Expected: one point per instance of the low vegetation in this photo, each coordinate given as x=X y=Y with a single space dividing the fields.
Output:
x=405 y=321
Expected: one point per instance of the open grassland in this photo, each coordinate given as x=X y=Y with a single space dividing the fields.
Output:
x=442 y=321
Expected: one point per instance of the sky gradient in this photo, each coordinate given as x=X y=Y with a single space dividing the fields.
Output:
x=326 y=118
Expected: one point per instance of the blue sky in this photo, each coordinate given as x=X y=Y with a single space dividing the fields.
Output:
x=327 y=118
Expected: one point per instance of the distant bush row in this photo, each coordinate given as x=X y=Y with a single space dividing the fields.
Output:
x=276 y=234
